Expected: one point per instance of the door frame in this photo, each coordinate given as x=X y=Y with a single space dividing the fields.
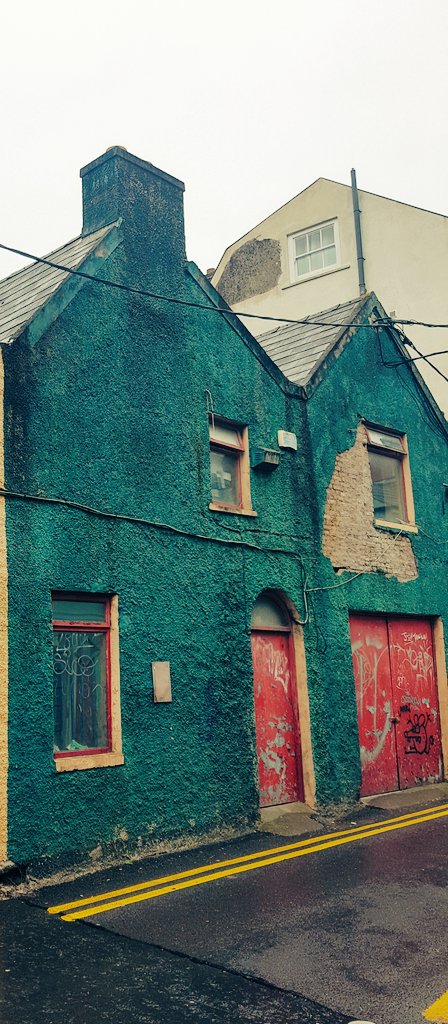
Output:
x=441 y=679
x=299 y=689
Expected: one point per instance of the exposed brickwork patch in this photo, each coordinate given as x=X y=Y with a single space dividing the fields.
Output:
x=350 y=539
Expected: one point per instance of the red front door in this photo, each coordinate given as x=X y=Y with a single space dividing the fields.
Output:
x=277 y=737
x=398 y=713
x=416 y=705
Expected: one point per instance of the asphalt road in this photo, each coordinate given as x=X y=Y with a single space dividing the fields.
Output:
x=302 y=931
x=361 y=927
x=52 y=972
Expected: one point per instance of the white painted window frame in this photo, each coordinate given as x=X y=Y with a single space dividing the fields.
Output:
x=293 y=276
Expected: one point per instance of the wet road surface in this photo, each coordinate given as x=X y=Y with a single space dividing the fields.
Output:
x=361 y=927
x=51 y=972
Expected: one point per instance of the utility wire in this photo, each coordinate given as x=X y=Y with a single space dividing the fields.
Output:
x=308 y=321
x=245 y=545
x=155 y=524
x=420 y=355
x=426 y=411
x=102 y=514
x=163 y=298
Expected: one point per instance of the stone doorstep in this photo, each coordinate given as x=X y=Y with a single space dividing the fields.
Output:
x=418 y=797
x=296 y=818
x=288 y=820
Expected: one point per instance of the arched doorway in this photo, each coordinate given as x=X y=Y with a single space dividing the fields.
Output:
x=275 y=697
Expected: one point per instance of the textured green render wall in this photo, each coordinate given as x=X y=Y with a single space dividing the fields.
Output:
x=109 y=409
x=358 y=384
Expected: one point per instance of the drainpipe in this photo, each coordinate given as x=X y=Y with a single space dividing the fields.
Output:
x=358 y=236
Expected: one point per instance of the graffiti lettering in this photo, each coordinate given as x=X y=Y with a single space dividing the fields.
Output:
x=417 y=664
x=274 y=664
x=409 y=638
x=418 y=740
x=367 y=659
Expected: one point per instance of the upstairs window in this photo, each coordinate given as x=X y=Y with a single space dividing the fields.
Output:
x=226 y=450
x=314 y=251
x=81 y=675
x=229 y=466
x=391 y=481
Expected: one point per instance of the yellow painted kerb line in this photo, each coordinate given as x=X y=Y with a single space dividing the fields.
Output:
x=236 y=866
x=139 y=887
x=438 y=1011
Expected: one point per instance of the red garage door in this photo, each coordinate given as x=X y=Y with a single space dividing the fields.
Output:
x=398 y=711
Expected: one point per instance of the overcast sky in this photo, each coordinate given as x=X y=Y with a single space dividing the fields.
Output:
x=248 y=101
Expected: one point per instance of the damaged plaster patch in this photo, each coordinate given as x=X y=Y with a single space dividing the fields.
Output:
x=253 y=269
x=350 y=539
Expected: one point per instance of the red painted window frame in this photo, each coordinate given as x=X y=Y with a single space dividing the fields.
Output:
x=222 y=446
x=88 y=627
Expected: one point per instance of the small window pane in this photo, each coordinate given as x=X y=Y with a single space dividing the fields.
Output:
x=329 y=256
x=387 y=486
x=303 y=265
x=383 y=440
x=266 y=613
x=314 y=240
x=225 y=478
x=301 y=245
x=79 y=611
x=220 y=432
x=80 y=691
x=328 y=235
x=316 y=260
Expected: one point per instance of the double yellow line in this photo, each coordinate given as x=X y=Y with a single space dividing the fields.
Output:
x=93 y=905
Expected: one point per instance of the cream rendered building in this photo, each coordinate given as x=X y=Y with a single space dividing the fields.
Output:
x=303 y=258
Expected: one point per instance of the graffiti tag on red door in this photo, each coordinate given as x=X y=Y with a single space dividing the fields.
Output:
x=397 y=701
x=417 y=732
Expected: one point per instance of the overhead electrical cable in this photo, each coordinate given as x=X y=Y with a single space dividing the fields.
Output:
x=426 y=411
x=309 y=321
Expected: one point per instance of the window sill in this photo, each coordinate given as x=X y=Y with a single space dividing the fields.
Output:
x=383 y=524
x=231 y=511
x=313 y=277
x=73 y=764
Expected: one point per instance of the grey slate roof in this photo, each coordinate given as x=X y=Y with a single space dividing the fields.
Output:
x=25 y=292
x=297 y=349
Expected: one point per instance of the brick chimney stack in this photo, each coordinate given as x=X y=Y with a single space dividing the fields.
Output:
x=149 y=202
